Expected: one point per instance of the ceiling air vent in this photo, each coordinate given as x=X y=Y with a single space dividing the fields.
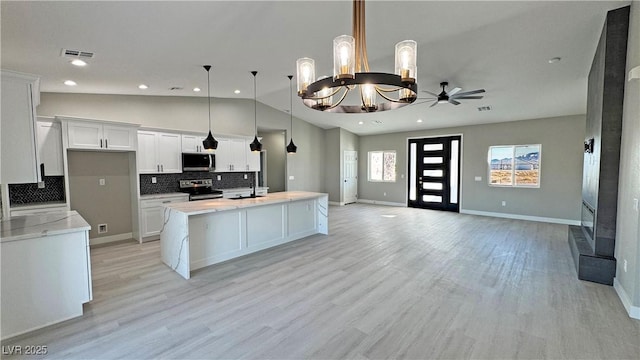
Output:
x=174 y=88
x=77 y=54
x=484 y=108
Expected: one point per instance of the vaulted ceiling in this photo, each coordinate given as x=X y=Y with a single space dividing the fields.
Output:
x=501 y=46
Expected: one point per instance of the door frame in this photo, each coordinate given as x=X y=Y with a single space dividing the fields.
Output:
x=406 y=169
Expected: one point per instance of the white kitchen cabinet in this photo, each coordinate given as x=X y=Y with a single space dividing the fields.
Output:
x=234 y=155
x=19 y=145
x=152 y=213
x=159 y=152
x=98 y=135
x=50 y=147
x=193 y=144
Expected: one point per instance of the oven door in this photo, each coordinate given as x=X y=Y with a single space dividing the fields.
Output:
x=198 y=162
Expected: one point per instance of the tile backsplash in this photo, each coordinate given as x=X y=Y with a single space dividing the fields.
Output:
x=166 y=183
x=53 y=191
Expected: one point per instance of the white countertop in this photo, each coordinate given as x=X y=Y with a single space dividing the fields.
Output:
x=213 y=205
x=163 y=196
x=30 y=226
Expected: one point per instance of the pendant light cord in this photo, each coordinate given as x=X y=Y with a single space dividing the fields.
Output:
x=255 y=101
x=209 y=96
x=291 y=104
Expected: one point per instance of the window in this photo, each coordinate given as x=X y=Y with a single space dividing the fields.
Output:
x=514 y=165
x=382 y=166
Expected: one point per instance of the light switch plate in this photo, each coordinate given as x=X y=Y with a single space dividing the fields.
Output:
x=219 y=177
x=245 y=176
x=478 y=178
x=101 y=182
x=154 y=180
x=291 y=177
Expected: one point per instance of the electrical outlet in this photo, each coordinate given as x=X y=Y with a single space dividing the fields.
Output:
x=478 y=178
x=245 y=176
x=292 y=177
x=40 y=184
x=101 y=182
x=384 y=194
x=635 y=204
x=154 y=180
x=102 y=228
x=219 y=177
x=624 y=265
x=504 y=203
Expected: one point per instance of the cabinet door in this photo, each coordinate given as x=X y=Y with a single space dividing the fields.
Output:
x=239 y=149
x=50 y=147
x=190 y=144
x=19 y=146
x=169 y=152
x=119 y=137
x=223 y=155
x=147 y=156
x=152 y=220
x=85 y=135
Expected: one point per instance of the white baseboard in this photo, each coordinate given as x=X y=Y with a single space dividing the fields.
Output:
x=633 y=311
x=335 y=203
x=110 y=238
x=377 y=202
x=521 y=217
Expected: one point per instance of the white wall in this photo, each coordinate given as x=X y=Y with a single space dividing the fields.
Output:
x=628 y=220
x=558 y=197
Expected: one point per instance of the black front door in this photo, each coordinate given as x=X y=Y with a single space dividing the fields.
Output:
x=434 y=173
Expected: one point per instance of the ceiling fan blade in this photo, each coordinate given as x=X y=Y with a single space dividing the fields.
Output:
x=430 y=93
x=479 y=91
x=469 y=97
x=434 y=104
x=454 y=102
x=454 y=91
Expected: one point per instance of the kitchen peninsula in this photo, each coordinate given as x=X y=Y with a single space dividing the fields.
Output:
x=201 y=233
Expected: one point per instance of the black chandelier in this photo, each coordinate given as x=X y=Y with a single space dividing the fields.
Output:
x=351 y=71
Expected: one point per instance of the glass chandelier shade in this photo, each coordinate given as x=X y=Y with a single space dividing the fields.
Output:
x=210 y=143
x=351 y=71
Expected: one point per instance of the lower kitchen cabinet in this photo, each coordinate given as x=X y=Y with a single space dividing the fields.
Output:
x=152 y=214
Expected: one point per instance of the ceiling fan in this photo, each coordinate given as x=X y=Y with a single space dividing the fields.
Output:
x=452 y=96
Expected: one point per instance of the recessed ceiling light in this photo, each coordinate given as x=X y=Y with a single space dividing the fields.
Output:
x=360 y=122
x=196 y=89
x=554 y=60
x=419 y=120
x=78 y=62
x=236 y=92
x=70 y=83
x=142 y=87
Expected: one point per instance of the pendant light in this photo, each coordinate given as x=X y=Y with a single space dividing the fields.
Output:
x=291 y=148
x=255 y=146
x=210 y=143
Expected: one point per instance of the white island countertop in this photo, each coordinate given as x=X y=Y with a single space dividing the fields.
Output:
x=27 y=227
x=213 y=205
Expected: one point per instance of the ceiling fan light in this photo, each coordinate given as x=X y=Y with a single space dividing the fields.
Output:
x=255 y=146
x=210 y=143
x=306 y=69
x=291 y=148
x=406 y=59
x=344 y=53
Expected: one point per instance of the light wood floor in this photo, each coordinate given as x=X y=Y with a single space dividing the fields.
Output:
x=386 y=283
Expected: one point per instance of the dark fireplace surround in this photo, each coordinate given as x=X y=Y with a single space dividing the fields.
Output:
x=592 y=244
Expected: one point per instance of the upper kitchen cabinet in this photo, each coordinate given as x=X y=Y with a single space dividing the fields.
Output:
x=234 y=155
x=159 y=152
x=50 y=146
x=19 y=149
x=100 y=135
x=192 y=143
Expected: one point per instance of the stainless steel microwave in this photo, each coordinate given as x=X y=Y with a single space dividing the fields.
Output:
x=198 y=162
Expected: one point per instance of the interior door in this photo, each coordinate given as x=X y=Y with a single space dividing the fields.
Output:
x=350 y=176
x=434 y=173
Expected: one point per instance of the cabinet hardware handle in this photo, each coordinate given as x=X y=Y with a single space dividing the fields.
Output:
x=158 y=166
x=162 y=168
x=100 y=143
x=166 y=201
x=106 y=143
x=42 y=172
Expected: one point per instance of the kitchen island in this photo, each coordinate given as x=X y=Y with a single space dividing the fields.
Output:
x=46 y=270
x=201 y=233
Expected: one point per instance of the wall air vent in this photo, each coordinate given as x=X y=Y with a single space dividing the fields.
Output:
x=484 y=108
x=77 y=54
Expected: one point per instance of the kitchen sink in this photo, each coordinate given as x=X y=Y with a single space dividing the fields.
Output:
x=245 y=197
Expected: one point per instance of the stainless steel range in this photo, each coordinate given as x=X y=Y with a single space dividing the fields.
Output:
x=201 y=189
